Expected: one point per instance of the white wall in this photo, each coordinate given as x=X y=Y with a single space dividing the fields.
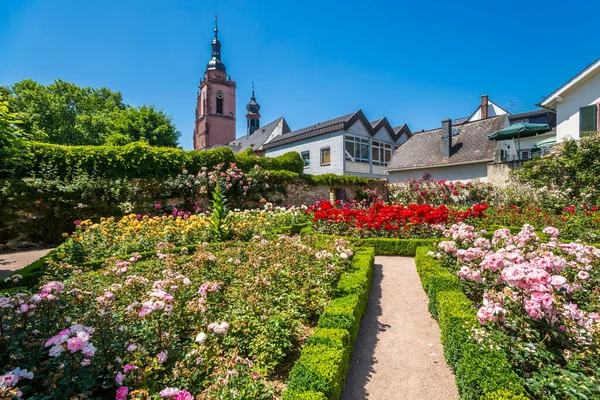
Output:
x=567 y=111
x=383 y=135
x=526 y=143
x=493 y=111
x=463 y=173
x=333 y=140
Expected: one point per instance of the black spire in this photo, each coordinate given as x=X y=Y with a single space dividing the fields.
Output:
x=253 y=106
x=215 y=62
x=253 y=117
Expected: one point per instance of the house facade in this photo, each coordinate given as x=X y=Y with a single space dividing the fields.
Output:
x=347 y=145
x=577 y=104
x=448 y=153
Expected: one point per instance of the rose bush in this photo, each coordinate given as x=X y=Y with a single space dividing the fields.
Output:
x=538 y=301
x=138 y=233
x=223 y=322
x=381 y=220
x=440 y=192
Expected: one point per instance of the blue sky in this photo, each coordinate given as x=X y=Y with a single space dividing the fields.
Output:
x=414 y=62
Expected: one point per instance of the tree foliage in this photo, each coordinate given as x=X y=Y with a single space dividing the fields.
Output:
x=64 y=113
x=573 y=169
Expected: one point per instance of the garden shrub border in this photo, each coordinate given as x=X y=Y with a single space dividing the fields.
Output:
x=480 y=373
x=320 y=372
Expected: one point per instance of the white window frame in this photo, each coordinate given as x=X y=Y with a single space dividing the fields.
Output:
x=357 y=141
x=382 y=148
x=307 y=165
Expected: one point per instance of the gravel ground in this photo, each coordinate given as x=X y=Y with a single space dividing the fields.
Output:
x=398 y=354
x=10 y=262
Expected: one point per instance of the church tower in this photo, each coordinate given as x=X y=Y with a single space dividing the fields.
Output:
x=253 y=117
x=215 y=106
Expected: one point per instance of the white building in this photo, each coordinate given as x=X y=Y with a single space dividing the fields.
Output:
x=577 y=104
x=348 y=145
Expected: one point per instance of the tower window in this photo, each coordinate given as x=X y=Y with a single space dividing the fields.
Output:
x=219 y=102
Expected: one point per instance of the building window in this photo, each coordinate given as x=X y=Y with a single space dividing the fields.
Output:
x=325 y=156
x=305 y=155
x=521 y=121
x=525 y=154
x=588 y=124
x=455 y=131
x=382 y=153
x=219 y=102
x=357 y=149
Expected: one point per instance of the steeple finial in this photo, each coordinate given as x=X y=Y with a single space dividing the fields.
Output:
x=252 y=89
x=216 y=26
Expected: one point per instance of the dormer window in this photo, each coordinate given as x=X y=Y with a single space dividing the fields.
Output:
x=219 y=102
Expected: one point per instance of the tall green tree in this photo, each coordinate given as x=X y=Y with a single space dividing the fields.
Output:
x=65 y=113
x=10 y=136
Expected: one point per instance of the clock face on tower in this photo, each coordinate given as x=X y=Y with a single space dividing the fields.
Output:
x=219 y=95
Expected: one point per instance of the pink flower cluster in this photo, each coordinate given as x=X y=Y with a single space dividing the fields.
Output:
x=177 y=394
x=159 y=300
x=10 y=379
x=219 y=329
x=521 y=271
x=76 y=338
x=208 y=287
x=50 y=290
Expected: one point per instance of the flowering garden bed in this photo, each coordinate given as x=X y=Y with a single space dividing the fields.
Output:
x=223 y=322
x=388 y=220
x=519 y=315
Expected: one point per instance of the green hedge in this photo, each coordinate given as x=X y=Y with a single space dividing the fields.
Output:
x=289 y=162
x=321 y=370
x=137 y=160
x=480 y=373
x=332 y=180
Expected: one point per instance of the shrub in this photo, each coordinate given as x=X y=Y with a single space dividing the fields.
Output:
x=136 y=160
x=480 y=372
x=321 y=371
x=182 y=320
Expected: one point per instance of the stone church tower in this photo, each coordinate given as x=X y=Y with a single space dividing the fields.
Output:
x=215 y=108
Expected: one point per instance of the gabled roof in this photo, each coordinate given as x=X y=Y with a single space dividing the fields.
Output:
x=575 y=81
x=400 y=130
x=533 y=113
x=337 y=124
x=383 y=123
x=261 y=136
x=424 y=149
x=496 y=109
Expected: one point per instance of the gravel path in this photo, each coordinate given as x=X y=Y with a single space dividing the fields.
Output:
x=398 y=354
x=10 y=262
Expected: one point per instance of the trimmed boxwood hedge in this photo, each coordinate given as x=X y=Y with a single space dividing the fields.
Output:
x=480 y=373
x=138 y=160
x=321 y=370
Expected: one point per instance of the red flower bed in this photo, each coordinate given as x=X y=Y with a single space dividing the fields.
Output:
x=388 y=218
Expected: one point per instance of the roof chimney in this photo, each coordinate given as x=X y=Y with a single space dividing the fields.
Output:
x=446 y=137
x=484 y=106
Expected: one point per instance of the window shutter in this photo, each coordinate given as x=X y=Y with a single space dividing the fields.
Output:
x=587 y=120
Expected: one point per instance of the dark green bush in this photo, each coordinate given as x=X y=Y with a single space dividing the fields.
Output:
x=397 y=247
x=288 y=162
x=481 y=373
x=137 y=160
x=321 y=370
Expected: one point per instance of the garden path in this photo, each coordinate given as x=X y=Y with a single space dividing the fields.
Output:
x=10 y=262
x=398 y=354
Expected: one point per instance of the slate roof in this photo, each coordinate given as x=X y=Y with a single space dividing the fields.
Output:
x=460 y=121
x=259 y=137
x=321 y=128
x=533 y=113
x=424 y=149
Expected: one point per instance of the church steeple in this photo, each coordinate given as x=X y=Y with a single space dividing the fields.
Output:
x=215 y=62
x=253 y=117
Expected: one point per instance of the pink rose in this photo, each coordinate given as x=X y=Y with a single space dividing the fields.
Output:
x=122 y=393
